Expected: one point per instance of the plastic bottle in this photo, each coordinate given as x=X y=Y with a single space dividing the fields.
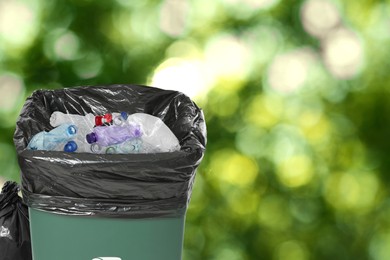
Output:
x=120 y=118
x=102 y=120
x=109 y=119
x=109 y=135
x=58 y=118
x=53 y=140
x=156 y=135
x=127 y=147
x=84 y=126
x=89 y=120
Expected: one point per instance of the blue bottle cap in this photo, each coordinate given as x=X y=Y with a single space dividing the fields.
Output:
x=91 y=138
x=72 y=130
x=124 y=115
x=70 y=147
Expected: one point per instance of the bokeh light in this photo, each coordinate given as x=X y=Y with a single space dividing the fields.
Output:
x=19 y=21
x=271 y=107
x=293 y=250
x=288 y=72
x=348 y=191
x=227 y=57
x=343 y=53
x=62 y=44
x=66 y=46
x=187 y=76
x=319 y=17
x=174 y=17
x=89 y=66
x=263 y=42
x=230 y=164
x=378 y=24
x=296 y=171
x=12 y=91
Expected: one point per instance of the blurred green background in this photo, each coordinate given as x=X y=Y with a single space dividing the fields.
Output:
x=295 y=93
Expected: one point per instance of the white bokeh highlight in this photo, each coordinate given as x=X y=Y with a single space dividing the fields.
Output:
x=66 y=46
x=184 y=75
x=288 y=72
x=18 y=22
x=343 y=53
x=11 y=91
x=174 y=17
x=319 y=17
x=227 y=56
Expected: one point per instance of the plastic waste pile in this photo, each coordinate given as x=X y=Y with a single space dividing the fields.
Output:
x=116 y=133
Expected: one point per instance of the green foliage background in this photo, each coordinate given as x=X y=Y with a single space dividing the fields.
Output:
x=302 y=174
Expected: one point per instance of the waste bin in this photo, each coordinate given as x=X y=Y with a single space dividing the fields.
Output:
x=110 y=206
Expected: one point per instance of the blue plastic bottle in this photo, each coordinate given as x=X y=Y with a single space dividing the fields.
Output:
x=59 y=136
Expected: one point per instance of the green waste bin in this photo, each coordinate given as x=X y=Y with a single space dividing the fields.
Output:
x=80 y=238
x=86 y=206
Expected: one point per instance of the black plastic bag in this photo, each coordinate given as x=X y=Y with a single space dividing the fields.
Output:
x=117 y=185
x=15 y=243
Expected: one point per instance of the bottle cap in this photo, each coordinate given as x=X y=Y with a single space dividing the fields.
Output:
x=72 y=130
x=110 y=150
x=98 y=120
x=70 y=147
x=91 y=138
x=107 y=118
x=118 y=120
x=124 y=115
x=95 y=148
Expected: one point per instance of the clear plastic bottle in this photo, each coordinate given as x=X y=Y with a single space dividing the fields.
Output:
x=109 y=135
x=109 y=119
x=88 y=121
x=53 y=140
x=58 y=118
x=84 y=126
x=127 y=147
x=156 y=135
x=120 y=118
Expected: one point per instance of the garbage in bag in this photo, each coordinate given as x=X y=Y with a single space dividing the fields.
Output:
x=111 y=133
x=15 y=243
x=133 y=185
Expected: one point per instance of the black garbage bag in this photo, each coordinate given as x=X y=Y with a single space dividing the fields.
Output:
x=114 y=185
x=15 y=243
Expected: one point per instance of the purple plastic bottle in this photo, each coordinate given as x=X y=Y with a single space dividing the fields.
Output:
x=109 y=135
